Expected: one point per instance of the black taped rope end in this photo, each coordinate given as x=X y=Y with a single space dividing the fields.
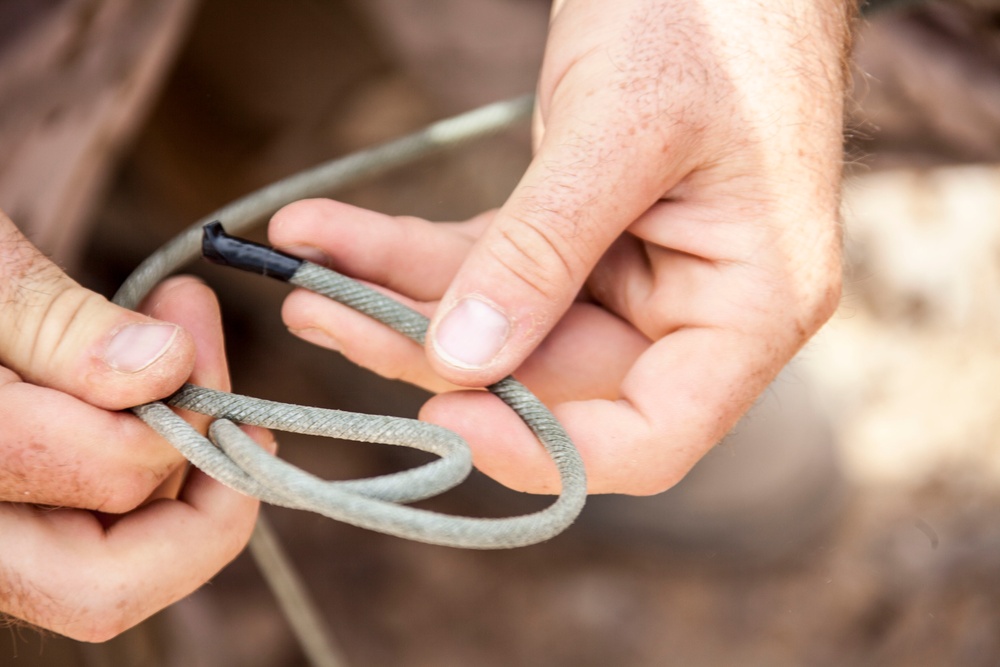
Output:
x=219 y=247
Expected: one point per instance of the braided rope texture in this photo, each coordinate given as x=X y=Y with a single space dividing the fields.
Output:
x=234 y=459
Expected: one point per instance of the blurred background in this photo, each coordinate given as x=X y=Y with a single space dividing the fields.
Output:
x=852 y=518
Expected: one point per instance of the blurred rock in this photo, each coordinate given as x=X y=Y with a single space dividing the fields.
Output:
x=926 y=85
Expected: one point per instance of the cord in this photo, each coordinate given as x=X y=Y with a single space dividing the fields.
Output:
x=234 y=459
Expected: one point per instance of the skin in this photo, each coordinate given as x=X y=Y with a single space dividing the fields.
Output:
x=86 y=574
x=673 y=243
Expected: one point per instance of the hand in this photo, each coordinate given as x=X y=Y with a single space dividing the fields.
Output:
x=70 y=361
x=671 y=246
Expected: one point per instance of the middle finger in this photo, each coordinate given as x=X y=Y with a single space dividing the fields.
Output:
x=408 y=255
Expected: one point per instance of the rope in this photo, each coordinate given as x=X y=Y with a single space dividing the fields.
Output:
x=243 y=213
x=303 y=616
x=234 y=459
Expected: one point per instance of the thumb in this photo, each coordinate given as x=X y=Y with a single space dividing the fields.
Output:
x=55 y=333
x=530 y=262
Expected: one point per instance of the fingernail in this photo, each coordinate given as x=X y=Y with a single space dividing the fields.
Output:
x=136 y=346
x=308 y=253
x=472 y=334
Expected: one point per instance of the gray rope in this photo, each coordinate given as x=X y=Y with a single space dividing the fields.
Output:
x=243 y=213
x=290 y=591
x=234 y=459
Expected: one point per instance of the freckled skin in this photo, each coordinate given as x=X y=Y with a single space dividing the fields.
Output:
x=685 y=183
x=681 y=208
x=92 y=574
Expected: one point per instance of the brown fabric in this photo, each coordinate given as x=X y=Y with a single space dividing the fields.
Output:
x=76 y=79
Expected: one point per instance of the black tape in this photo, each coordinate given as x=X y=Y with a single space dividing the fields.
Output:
x=220 y=248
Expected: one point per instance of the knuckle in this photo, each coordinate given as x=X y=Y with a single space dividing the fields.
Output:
x=819 y=302
x=410 y=371
x=103 y=616
x=539 y=249
x=390 y=368
x=27 y=318
x=236 y=537
x=654 y=484
x=655 y=469
x=109 y=612
x=647 y=480
x=68 y=310
x=121 y=501
x=100 y=625
x=287 y=225
x=829 y=299
x=108 y=465
x=130 y=489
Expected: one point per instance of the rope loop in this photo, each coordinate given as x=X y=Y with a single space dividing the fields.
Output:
x=234 y=459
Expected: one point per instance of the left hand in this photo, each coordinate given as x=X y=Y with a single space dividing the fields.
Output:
x=90 y=576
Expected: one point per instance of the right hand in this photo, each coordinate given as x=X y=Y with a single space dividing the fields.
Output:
x=70 y=361
x=673 y=243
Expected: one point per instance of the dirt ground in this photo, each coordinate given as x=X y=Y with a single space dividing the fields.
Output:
x=890 y=555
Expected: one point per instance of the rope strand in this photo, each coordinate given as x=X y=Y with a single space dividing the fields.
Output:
x=234 y=459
